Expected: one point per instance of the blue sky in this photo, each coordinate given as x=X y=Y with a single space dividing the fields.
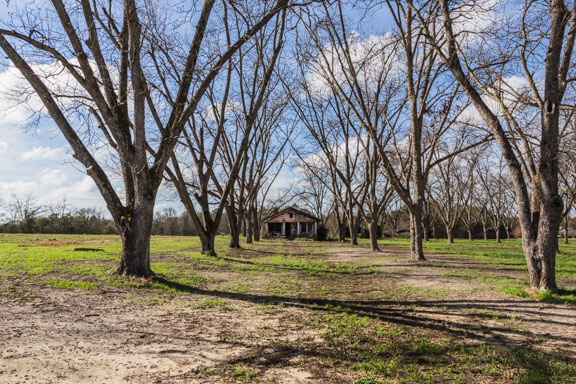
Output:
x=35 y=159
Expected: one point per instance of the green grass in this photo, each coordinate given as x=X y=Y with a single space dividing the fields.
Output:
x=83 y=285
x=275 y=275
x=508 y=256
x=244 y=374
x=383 y=352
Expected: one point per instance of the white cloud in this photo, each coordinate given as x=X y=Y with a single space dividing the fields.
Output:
x=53 y=177
x=44 y=153
x=511 y=87
x=4 y=146
x=370 y=58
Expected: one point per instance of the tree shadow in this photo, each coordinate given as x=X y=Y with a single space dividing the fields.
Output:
x=404 y=313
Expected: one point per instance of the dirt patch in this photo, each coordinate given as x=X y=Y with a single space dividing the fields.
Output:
x=253 y=324
x=63 y=336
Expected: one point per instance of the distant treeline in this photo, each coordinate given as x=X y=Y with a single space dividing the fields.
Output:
x=81 y=221
x=23 y=215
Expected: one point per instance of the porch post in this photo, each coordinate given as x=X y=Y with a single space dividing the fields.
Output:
x=283 y=229
x=297 y=228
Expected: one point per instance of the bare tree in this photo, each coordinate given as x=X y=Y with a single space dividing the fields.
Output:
x=125 y=64
x=467 y=179
x=313 y=194
x=380 y=95
x=495 y=182
x=477 y=70
x=217 y=140
x=567 y=179
x=446 y=194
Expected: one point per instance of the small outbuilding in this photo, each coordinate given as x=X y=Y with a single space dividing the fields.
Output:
x=290 y=223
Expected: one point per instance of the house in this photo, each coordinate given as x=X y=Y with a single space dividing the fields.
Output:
x=290 y=223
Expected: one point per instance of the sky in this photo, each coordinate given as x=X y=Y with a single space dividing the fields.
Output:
x=36 y=161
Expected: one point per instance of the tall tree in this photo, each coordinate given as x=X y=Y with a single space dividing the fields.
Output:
x=540 y=41
x=217 y=140
x=117 y=53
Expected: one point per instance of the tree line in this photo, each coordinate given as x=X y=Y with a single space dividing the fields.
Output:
x=457 y=113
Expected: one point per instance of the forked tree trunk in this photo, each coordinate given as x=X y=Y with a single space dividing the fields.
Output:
x=541 y=252
x=136 y=229
x=498 y=240
x=541 y=267
x=207 y=241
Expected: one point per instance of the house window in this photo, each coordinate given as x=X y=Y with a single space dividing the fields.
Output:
x=291 y=215
x=274 y=227
x=306 y=227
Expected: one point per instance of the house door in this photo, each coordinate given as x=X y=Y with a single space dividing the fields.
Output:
x=287 y=231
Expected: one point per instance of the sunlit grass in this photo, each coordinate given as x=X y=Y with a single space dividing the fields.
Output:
x=507 y=255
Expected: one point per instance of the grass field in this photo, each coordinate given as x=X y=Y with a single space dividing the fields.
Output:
x=508 y=255
x=277 y=311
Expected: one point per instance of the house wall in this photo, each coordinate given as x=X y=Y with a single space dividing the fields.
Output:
x=294 y=220
x=285 y=218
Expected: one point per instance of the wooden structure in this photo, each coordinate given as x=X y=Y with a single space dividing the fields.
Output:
x=290 y=223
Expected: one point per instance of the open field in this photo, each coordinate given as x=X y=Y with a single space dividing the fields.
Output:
x=281 y=312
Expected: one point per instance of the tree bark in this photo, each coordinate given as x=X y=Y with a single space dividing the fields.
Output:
x=207 y=241
x=374 y=235
x=566 y=225
x=450 y=235
x=416 y=236
x=135 y=231
x=234 y=230
x=354 y=232
x=255 y=225
x=248 y=227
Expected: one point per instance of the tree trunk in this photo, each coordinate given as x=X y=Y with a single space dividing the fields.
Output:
x=248 y=227
x=566 y=225
x=485 y=231
x=255 y=225
x=354 y=233
x=374 y=236
x=426 y=233
x=234 y=230
x=450 y=235
x=470 y=235
x=136 y=229
x=342 y=233
x=541 y=252
x=541 y=267
x=497 y=230
x=416 y=236
x=207 y=241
